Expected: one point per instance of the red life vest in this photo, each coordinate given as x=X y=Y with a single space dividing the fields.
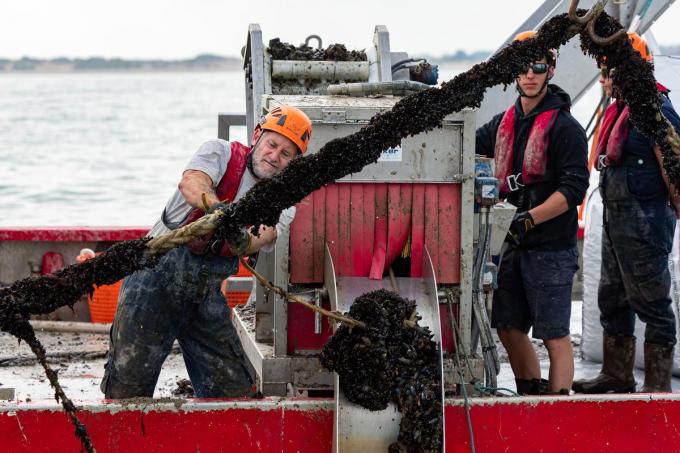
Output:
x=613 y=134
x=614 y=131
x=226 y=191
x=535 y=153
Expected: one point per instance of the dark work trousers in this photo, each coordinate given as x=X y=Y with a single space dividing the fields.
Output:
x=534 y=291
x=179 y=299
x=637 y=238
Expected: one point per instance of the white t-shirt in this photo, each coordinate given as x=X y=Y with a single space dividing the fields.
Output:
x=212 y=159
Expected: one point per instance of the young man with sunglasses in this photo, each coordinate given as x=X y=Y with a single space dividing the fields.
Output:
x=540 y=152
x=638 y=227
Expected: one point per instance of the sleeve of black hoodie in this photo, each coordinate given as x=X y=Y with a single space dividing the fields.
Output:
x=569 y=159
x=485 y=140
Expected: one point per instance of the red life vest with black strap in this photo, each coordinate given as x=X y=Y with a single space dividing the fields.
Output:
x=535 y=153
x=614 y=131
x=613 y=134
x=226 y=192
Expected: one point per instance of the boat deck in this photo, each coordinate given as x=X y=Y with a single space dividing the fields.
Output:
x=80 y=358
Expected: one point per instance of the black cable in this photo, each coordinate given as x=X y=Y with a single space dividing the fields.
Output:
x=597 y=108
x=401 y=64
x=459 y=368
x=604 y=101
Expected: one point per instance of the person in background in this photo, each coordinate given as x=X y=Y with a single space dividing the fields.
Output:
x=638 y=223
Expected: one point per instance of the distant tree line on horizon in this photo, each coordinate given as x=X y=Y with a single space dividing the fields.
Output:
x=62 y=64
x=198 y=63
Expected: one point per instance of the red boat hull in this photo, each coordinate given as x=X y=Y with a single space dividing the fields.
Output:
x=618 y=424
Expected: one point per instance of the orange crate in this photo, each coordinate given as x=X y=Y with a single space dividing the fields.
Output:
x=242 y=271
x=236 y=298
x=103 y=302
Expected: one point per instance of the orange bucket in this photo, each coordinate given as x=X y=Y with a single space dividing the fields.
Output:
x=103 y=302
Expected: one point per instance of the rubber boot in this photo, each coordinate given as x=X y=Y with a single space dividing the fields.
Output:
x=543 y=385
x=561 y=392
x=527 y=386
x=531 y=386
x=616 y=375
x=658 y=368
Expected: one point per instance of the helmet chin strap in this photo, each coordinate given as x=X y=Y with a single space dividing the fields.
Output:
x=524 y=95
x=249 y=159
x=249 y=165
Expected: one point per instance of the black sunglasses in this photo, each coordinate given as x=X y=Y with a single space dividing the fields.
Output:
x=538 y=68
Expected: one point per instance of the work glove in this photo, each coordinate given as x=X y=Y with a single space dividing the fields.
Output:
x=239 y=242
x=520 y=226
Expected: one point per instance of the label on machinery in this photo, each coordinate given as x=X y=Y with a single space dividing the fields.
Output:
x=488 y=191
x=392 y=154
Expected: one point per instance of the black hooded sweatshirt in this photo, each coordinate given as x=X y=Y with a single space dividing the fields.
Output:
x=566 y=172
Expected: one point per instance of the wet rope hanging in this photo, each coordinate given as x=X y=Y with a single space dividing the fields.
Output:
x=335 y=316
x=414 y=114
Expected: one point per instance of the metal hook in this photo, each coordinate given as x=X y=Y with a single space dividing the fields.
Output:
x=585 y=18
x=310 y=37
x=589 y=18
x=599 y=40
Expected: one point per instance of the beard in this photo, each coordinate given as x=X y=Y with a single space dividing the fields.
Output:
x=258 y=167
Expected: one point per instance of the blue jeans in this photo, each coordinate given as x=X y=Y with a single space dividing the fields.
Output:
x=637 y=237
x=180 y=300
x=534 y=290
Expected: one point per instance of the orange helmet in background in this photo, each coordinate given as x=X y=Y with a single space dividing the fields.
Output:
x=639 y=44
x=290 y=122
x=523 y=35
x=529 y=34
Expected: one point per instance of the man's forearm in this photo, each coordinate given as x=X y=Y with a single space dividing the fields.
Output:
x=555 y=205
x=193 y=185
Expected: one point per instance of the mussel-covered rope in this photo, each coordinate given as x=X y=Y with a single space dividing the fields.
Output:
x=414 y=114
x=25 y=331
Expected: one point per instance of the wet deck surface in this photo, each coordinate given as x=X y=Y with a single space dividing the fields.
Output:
x=80 y=359
x=582 y=368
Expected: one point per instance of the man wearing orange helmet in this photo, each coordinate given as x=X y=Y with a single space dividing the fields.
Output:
x=180 y=299
x=540 y=155
x=638 y=227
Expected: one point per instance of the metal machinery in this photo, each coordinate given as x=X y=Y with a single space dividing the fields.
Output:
x=406 y=223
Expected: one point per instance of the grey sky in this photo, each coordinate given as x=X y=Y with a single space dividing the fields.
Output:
x=183 y=28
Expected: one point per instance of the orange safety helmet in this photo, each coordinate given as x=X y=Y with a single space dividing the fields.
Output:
x=524 y=35
x=529 y=34
x=290 y=122
x=639 y=44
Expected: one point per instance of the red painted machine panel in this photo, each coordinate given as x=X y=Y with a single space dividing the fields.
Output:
x=367 y=225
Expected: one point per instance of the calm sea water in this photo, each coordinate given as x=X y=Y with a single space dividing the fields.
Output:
x=108 y=149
